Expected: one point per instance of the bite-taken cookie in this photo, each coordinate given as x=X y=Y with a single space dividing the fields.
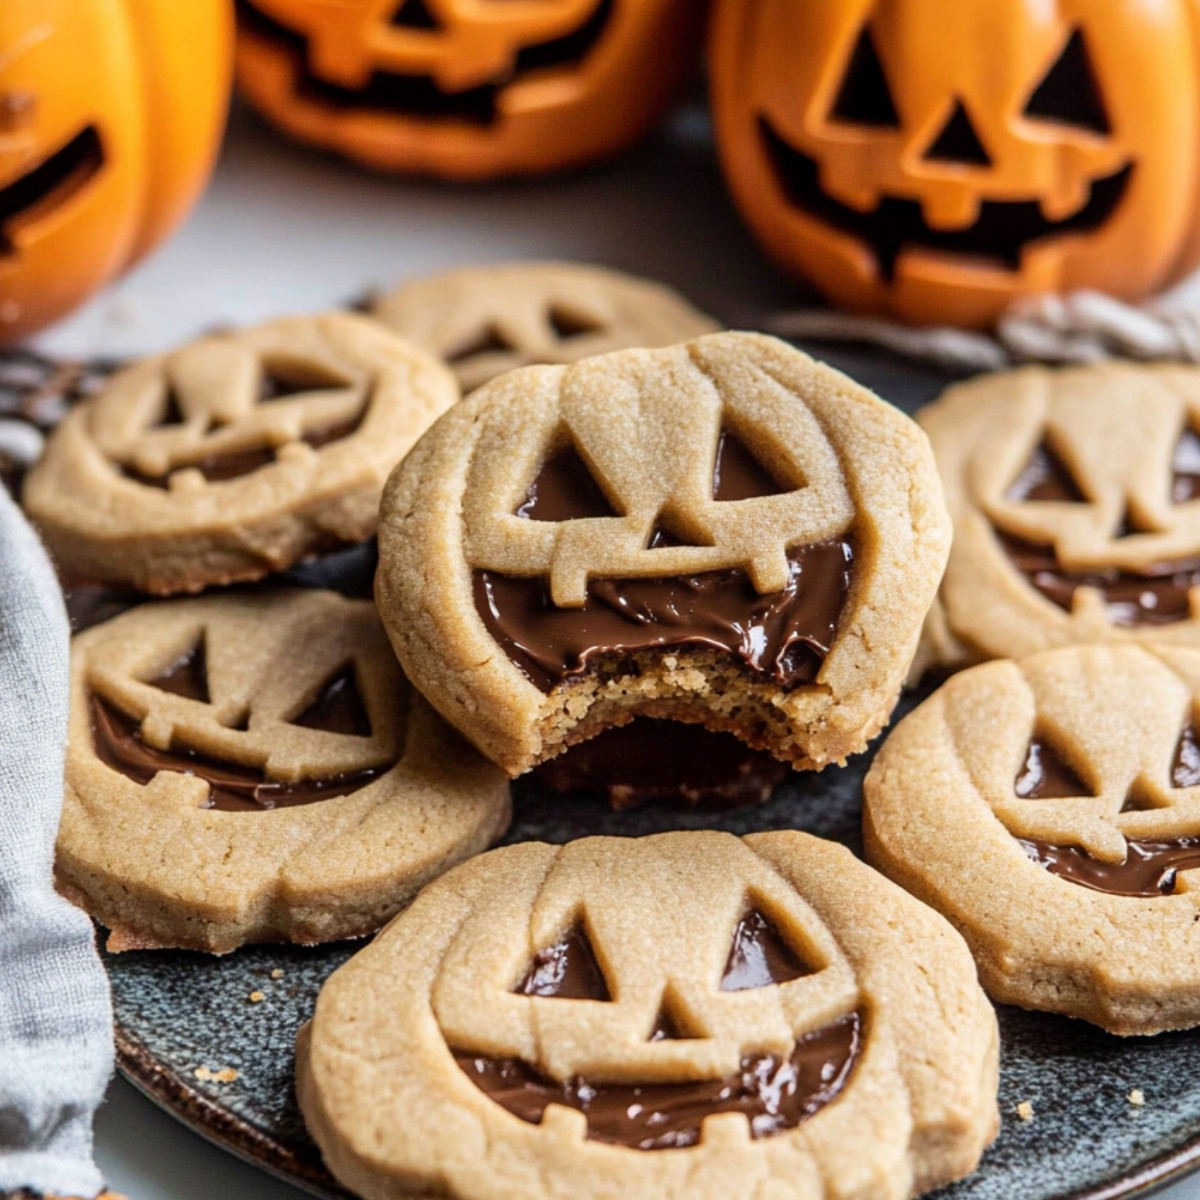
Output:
x=724 y=532
x=235 y=456
x=1050 y=808
x=688 y=1015
x=256 y=768
x=484 y=321
x=1075 y=496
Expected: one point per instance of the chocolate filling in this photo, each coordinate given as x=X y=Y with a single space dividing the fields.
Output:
x=420 y=96
x=783 y=636
x=1045 y=775
x=760 y=957
x=233 y=464
x=775 y=1094
x=652 y=760
x=999 y=235
x=1157 y=596
x=232 y=787
x=1150 y=868
x=568 y=970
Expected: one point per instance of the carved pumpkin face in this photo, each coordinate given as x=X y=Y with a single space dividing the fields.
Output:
x=1075 y=497
x=465 y=88
x=933 y=162
x=103 y=146
x=275 y=737
x=1052 y=807
x=656 y=1009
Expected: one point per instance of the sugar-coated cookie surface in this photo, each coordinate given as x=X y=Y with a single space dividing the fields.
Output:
x=234 y=456
x=1075 y=496
x=1050 y=808
x=681 y=1016
x=256 y=768
x=484 y=321
x=724 y=532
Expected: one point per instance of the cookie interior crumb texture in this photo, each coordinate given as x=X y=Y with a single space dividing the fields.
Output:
x=597 y=488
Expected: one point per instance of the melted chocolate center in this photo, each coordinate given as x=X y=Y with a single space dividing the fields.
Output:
x=652 y=760
x=760 y=957
x=568 y=970
x=1047 y=776
x=1157 y=596
x=1150 y=868
x=783 y=636
x=774 y=1093
x=232 y=787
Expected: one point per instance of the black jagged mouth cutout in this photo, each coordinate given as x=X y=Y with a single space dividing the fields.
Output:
x=420 y=96
x=65 y=172
x=1000 y=234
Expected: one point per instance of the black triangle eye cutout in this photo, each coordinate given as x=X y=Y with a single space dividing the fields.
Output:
x=1046 y=775
x=565 y=490
x=187 y=676
x=338 y=707
x=958 y=142
x=1185 y=468
x=759 y=957
x=864 y=97
x=414 y=14
x=490 y=341
x=567 y=325
x=1070 y=93
x=1045 y=478
x=738 y=475
x=567 y=970
x=172 y=411
x=1185 y=769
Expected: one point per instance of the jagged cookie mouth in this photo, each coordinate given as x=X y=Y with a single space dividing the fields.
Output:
x=53 y=181
x=1000 y=234
x=419 y=95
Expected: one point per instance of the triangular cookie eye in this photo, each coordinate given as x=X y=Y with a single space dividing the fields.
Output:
x=864 y=97
x=565 y=490
x=567 y=324
x=1070 y=93
x=274 y=386
x=1045 y=477
x=759 y=957
x=490 y=341
x=1046 y=775
x=187 y=676
x=1185 y=468
x=414 y=14
x=567 y=970
x=667 y=1028
x=738 y=475
x=338 y=708
x=1185 y=770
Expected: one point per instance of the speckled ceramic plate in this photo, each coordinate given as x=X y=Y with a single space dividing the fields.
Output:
x=191 y=1037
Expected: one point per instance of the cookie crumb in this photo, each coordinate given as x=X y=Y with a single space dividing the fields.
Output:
x=256 y=997
x=1025 y=1110
x=277 y=973
x=1137 y=1097
x=220 y=1075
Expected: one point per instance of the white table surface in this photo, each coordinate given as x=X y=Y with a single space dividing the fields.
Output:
x=283 y=230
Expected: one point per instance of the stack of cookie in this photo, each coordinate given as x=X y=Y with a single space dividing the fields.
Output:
x=719 y=533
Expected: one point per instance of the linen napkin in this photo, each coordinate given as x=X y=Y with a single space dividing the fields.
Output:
x=56 y=1041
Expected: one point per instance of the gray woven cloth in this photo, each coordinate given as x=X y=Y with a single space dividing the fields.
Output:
x=56 y=1050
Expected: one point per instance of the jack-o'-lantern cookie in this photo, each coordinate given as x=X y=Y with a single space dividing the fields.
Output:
x=1051 y=809
x=235 y=456
x=724 y=532
x=1075 y=497
x=687 y=1015
x=256 y=768
x=483 y=321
